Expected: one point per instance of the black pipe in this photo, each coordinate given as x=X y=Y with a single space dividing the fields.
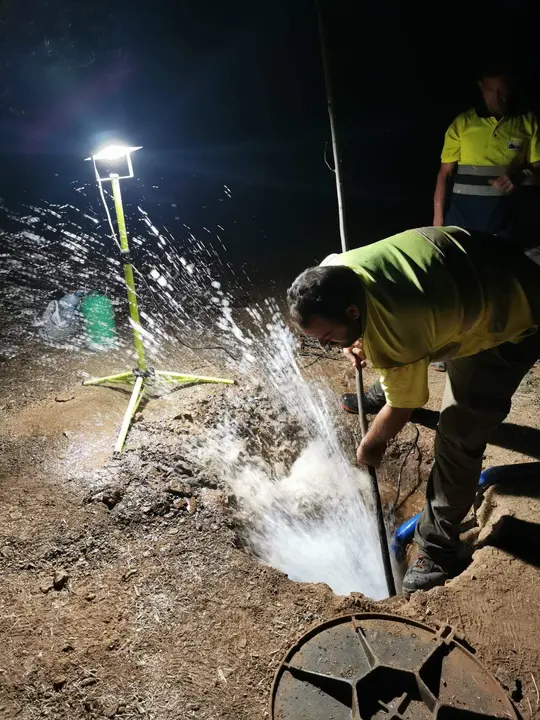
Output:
x=381 y=527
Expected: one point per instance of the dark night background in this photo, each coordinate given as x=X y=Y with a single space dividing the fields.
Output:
x=232 y=93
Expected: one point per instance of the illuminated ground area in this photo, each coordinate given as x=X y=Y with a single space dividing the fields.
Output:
x=160 y=613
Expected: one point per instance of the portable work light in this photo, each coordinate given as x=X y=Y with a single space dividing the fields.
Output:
x=113 y=161
x=112 y=164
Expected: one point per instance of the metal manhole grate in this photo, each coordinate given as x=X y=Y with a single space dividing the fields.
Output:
x=384 y=667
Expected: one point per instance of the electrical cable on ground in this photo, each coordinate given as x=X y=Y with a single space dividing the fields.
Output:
x=178 y=339
x=316 y=356
x=410 y=449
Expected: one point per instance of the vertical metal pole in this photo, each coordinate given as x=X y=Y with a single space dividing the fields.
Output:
x=128 y=274
x=331 y=117
x=383 y=539
x=381 y=527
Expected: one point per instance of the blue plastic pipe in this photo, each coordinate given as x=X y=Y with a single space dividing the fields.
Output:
x=490 y=476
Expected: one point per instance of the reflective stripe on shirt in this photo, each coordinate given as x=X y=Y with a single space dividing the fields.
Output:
x=475 y=179
x=485 y=190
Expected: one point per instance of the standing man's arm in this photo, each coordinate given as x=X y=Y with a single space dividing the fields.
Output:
x=534 y=177
x=510 y=182
x=530 y=174
x=450 y=156
x=441 y=186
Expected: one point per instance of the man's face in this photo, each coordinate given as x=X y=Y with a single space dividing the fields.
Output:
x=330 y=332
x=496 y=93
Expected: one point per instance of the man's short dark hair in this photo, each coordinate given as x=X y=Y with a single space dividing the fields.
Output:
x=493 y=72
x=326 y=291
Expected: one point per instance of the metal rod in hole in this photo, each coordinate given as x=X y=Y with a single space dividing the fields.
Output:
x=381 y=527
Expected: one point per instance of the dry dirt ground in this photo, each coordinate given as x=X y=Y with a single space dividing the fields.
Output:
x=124 y=592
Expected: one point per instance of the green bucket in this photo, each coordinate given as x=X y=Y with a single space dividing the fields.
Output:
x=99 y=323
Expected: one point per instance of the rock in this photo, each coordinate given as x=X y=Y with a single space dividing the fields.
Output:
x=183 y=469
x=64 y=397
x=60 y=579
x=46 y=586
x=179 y=503
x=113 y=644
x=109 y=497
x=192 y=506
x=109 y=707
x=90 y=597
x=59 y=682
x=177 y=488
x=184 y=416
x=86 y=682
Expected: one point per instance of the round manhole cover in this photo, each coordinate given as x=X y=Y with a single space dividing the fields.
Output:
x=384 y=667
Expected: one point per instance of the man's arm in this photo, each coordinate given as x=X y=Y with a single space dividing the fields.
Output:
x=533 y=176
x=509 y=182
x=386 y=426
x=405 y=388
x=439 y=199
x=530 y=174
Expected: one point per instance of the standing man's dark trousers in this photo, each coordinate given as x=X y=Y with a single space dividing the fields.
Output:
x=476 y=400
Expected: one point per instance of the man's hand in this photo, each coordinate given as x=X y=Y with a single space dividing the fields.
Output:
x=370 y=453
x=504 y=184
x=356 y=354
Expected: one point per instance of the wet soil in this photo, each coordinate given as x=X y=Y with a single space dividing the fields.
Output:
x=126 y=592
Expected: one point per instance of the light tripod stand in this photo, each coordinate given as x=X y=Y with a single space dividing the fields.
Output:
x=113 y=164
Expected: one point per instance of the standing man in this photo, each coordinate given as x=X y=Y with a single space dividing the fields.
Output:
x=432 y=294
x=489 y=152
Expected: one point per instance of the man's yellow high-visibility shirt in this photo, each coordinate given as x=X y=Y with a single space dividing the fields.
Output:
x=480 y=140
x=485 y=148
x=435 y=294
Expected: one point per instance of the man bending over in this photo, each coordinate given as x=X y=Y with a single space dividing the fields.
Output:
x=426 y=295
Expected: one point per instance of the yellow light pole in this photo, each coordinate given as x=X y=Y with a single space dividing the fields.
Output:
x=113 y=164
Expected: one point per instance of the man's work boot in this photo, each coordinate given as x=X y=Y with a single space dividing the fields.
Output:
x=423 y=574
x=374 y=400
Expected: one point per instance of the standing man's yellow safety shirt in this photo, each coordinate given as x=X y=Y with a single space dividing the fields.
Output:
x=484 y=148
x=481 y=140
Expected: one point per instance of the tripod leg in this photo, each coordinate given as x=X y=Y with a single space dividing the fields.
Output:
x=134 y=401
x=180 y=377
x=120 y=378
